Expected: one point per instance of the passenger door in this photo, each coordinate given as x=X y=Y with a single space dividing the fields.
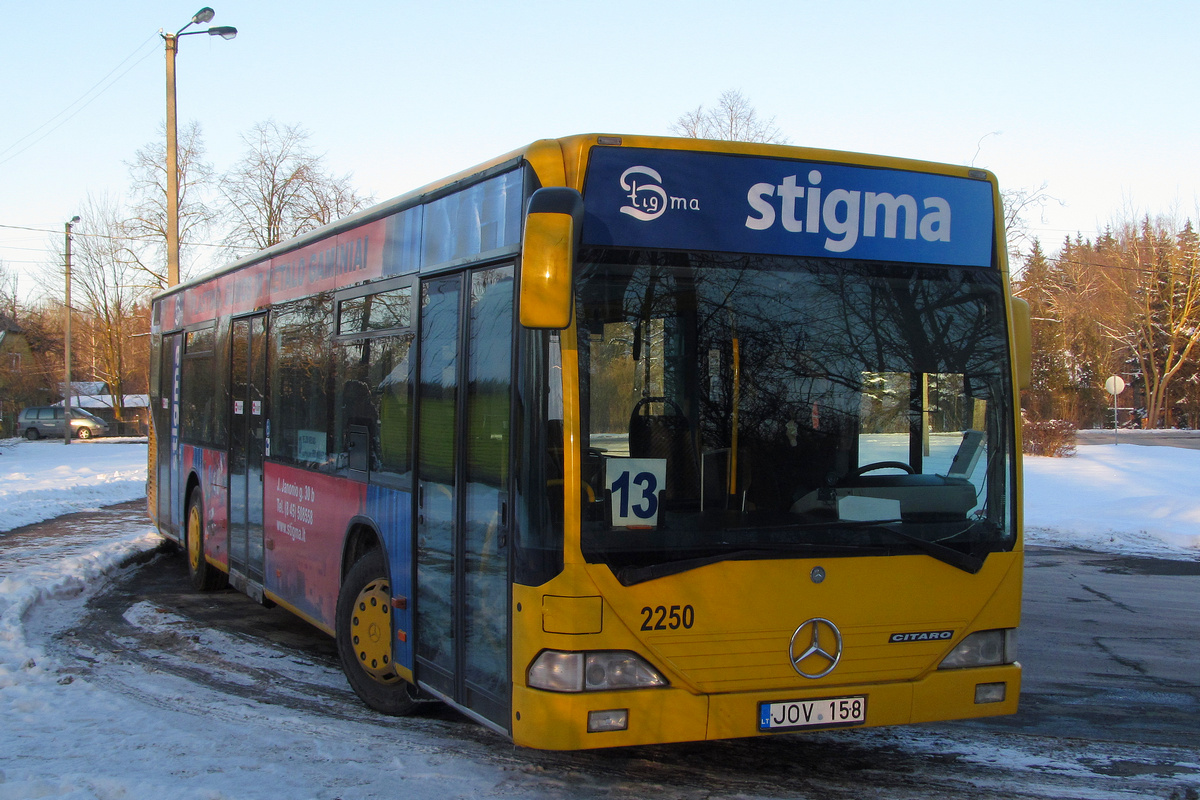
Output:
x=247 y=449
x=166 y=435
x=463 y=413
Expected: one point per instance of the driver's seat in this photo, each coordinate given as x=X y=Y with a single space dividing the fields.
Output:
x=669 y=437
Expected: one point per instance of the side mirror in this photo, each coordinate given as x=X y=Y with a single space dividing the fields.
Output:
x=1023 y=342
x=553 y=223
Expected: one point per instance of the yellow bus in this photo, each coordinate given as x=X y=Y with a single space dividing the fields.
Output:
x=620 y=440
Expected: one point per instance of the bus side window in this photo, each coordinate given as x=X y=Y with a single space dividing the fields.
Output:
x=373 y=398
x=300 y=401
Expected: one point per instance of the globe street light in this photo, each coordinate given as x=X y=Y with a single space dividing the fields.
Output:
x=225 y=32
x=67 y=341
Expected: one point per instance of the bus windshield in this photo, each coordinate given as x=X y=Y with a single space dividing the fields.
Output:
x=756 y=406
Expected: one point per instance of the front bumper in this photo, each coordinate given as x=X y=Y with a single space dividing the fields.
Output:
x=552 y=721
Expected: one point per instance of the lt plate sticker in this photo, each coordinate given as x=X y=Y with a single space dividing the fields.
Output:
x=633 y=485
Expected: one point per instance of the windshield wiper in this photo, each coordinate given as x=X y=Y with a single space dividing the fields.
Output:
x=966 y=562
x=947 y=555
x=628 y=576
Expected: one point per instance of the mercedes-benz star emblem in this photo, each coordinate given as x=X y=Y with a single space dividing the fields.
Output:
x=816 y=648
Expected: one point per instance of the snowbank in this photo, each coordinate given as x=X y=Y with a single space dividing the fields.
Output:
x=45 y=479
x=1116 y=498
x=1113 y=498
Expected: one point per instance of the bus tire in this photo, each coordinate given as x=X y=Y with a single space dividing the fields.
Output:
x=204 y=576
x=363 y=629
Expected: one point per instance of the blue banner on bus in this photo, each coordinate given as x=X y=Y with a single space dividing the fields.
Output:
x=707 y=201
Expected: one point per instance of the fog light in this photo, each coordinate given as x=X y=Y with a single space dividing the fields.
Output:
x=616 y=719
x=989 y=692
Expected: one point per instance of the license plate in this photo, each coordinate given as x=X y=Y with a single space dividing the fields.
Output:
x=826 y=712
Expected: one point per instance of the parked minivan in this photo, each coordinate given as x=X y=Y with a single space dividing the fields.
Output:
x=48 y=421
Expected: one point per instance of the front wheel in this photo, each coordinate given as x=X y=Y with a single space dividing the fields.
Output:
x=364 y=638
x=204 y=576
x=84 y=433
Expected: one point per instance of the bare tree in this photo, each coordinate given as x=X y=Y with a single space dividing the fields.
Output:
x=733 y=119
x=8 y=291
x=148 y=225
x=107 y=292
x=1018 y=204
x=1155 y=291
x=279 y=189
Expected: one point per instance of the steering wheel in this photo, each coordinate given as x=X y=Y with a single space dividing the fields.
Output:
x=882 y=465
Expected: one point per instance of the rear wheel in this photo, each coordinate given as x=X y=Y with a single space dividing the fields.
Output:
x=205 y=577
x=364 y=638
x=32 y=434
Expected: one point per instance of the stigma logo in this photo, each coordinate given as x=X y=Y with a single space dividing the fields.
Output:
x=649 y=201
x=843 y=215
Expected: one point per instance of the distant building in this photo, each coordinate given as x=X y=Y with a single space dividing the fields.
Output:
x=93 y=396
x=18 y=388
x=85 y=387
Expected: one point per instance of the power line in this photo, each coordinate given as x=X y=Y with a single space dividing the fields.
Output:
x=83 y=101
x=78 y=234
x=27 y=228
x=1118 y=267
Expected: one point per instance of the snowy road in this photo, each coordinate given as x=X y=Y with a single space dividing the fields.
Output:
x=117 y=682
x=134 y=686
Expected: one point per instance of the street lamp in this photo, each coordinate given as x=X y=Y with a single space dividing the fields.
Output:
x=225 y=32
x=67 y=341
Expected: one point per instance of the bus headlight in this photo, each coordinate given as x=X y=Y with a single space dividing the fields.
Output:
x=594 y=671
x=983 y=649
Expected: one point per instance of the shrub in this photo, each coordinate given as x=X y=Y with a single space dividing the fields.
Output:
x=1055 y=438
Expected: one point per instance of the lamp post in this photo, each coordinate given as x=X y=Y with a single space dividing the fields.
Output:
x=172 y=43
x=1114 y=386
x=67 y=340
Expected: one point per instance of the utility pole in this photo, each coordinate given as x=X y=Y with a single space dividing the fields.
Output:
x=171 y=40
x=67 y=341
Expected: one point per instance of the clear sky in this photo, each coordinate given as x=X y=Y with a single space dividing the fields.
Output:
x=1096 y=100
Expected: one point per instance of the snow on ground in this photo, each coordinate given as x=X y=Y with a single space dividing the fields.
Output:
x=1120 y=498
x=1112 y=498
x=45 y=479
x=63 y=737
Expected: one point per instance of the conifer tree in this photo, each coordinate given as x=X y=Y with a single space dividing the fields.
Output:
x=1039 y=287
